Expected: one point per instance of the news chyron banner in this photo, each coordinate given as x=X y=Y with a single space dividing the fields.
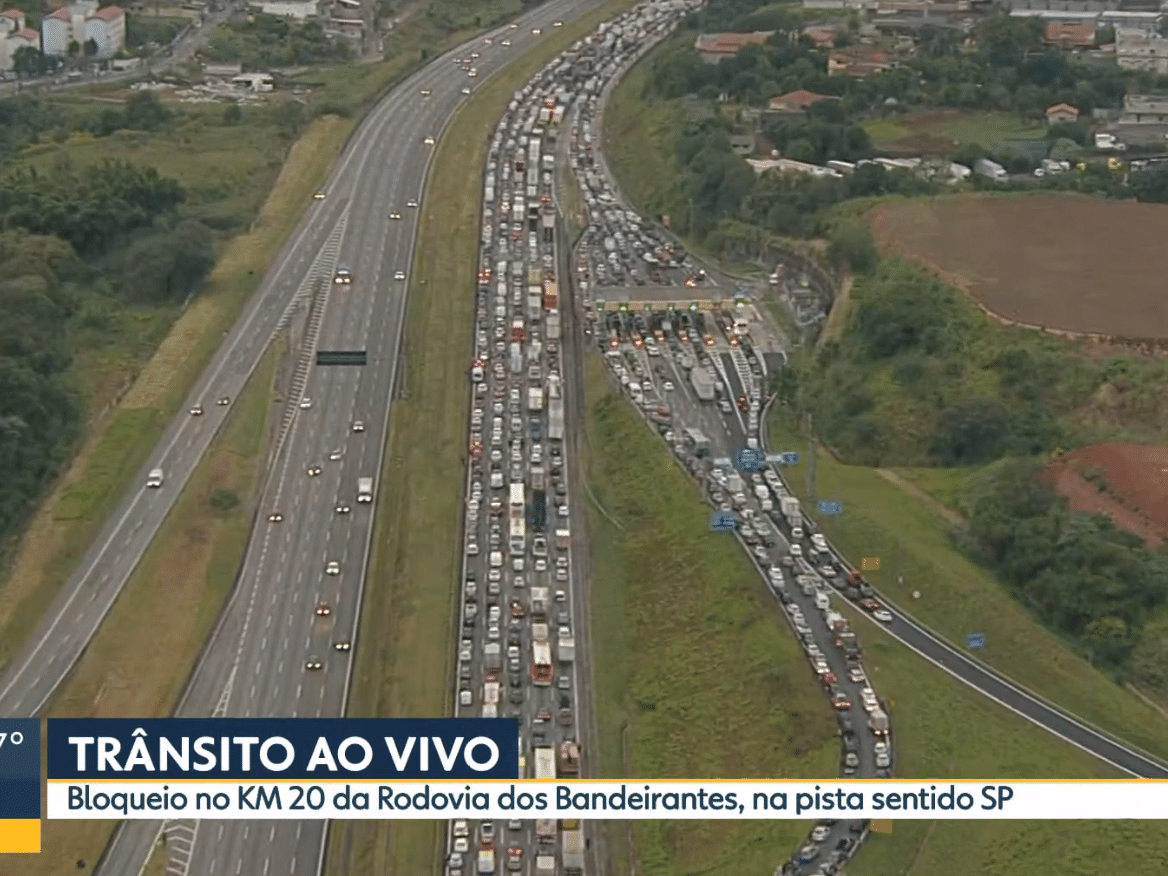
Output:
x=467 y=768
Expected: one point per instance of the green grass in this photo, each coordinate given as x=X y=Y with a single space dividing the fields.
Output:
x=884 y=131
x=943 y=484
x=959 y=597
x=144 y=652
x=945 y=730
x=986 y=129
x=638 y=138
x=696 y=673
x=406 y=641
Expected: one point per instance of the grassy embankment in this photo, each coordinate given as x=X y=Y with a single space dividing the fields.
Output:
x=407 y=634
x=696 y=672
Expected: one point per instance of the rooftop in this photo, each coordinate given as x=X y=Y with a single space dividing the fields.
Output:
x=798 y=101
x=730 y=43
x=108 y=13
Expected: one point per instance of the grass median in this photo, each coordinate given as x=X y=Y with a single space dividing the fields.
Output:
x=697 y=675
x=141 y=657
x=910 y=536
x=407 y=636
x=945 y=730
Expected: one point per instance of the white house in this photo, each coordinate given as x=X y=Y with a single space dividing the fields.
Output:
x=11 y=21
x=297 y=9
x=82 y=22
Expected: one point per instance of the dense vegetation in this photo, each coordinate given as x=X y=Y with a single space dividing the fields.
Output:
x=717 y=198
x=1087 y=579
x=77 y=246
x=262 y=42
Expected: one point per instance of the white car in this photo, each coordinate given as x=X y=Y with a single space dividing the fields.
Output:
x=319 y=196
x=429 y=141
x=466 y=89
x=305 y=404
x=460 y=826
x=425 y=92
x=399 y=275
x=883 y=615
x=332 y=568
x=336 y=454
x=412 y=203
x=820 y=833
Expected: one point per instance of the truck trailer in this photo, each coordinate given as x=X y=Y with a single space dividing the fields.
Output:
x=572 y=856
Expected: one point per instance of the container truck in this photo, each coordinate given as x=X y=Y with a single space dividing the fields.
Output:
x=492 y=657
x=573 y=846
x=518 y=331
x=566 y=648
x=486 y=862
x=569 y=764
x=364 y=489
x=545 y=762
x=553 y=326
x=556 y=419
x=538 y=509
x=702 y=384
x=516 y=358
x=535 y=399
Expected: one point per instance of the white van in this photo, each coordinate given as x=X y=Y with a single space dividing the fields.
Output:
x=496 y=559
x=822 y=602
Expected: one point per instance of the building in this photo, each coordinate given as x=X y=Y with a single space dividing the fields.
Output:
x=1137 y=50
x=80 y=23
x=858 y=61
x=713 y=47
x=1061 y=112
x=300 y=10
x=254 y=82
x=821 y=37
x=1125 y=19
x=794 y=102
x=1144 y=109
x=788 y=165
x=11 y=21
x=13 y=42
x=1069 y=35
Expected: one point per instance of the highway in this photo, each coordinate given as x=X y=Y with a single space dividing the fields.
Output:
x=257 y=660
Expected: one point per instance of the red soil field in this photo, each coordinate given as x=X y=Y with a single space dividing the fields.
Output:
x=1129 y=482
x=1065 y=262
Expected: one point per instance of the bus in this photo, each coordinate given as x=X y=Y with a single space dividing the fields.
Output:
x=518 y=518
x=541 y=667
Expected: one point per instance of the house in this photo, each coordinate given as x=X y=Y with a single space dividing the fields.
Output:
x=794 y=102
x=300 y=10
x=1061 y=112
x=821 y=37
x=80 y=23
x=1144 y=109
x=1069 y=35
x=858 y=61
x=1137 y=50
x=16 y=40
x=787 y=165
x=107 y=28
x=713 y=47
x=11 y=20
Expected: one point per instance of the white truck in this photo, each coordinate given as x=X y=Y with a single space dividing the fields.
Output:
x=535 y=399
x=486 y=862
x=545 y=864
x=491 y=690
x=492 y=657
x=545 y=830
x=573 y=849
x=790 y=509
x=545 y=762
x=563 y=539
x=154 y=479
x=565 y=646
x=364 y=489
x=553 y=326
x=539 y=603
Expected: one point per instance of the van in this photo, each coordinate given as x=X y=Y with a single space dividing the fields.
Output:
x=796 y=550
x=496 y=559
x=822 y=602
x=154 y=479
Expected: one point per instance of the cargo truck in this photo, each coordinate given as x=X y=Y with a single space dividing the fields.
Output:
x=486 y=862
x=538 y=476
x=545 y=762
x=566 y=648
x=553 y=326
x=539 y=604
x=551 y=295
x=364 y=489
x=518 y=331
x=535 y=399
x=491 y=690
x=545 y=864
x=563 y=539
x=790 y=508
x=538 y=509
x=878 y=722
x=702 y=384
x=569 y=762
x=556 y=419
x=545 y=830
x=516 y=358
x=573 y=846
x=492 y=657
x=534 y=277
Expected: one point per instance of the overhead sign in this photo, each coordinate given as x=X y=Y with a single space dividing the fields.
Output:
x=723 y=521
x=787 y=457
x=750 y=459
x=975 y=641
x=830 y=507
x=340 y=357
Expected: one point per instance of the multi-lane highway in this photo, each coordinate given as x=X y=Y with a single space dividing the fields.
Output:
x=275 y=650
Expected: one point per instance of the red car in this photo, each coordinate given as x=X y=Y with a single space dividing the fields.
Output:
x=829 y=678
x=870 y=604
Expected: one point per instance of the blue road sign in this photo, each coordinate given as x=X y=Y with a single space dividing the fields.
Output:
x=790 y=457
x=750 y=459
x=723 y=521
x=830 y=507
x=975 y=641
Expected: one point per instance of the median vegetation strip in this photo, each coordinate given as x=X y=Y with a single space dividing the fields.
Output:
x=141 y=658
x=957 y=596
x=944 y=730
x=697 y=675
x=407 y=636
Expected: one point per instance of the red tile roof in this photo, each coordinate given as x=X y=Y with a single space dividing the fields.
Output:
x=14 y=14
x=61 y=14
x=108 y=13
x=730 y=43
x=1062 y=108
x=1070 y=33
x=28 y=33
x=798 y=101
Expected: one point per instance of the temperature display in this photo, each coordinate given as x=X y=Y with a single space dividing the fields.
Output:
x=20 y=785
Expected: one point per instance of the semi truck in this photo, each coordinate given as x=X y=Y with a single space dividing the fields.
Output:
x=493 y=657
x=538 y=509
x=364 y=489
x=538 y=476
x=556 y=419
x=569 y=763
x=565 y=648
x=545 y=762
x=702 y=384
x=572 y=835
x=553 y=326
x=789 y=505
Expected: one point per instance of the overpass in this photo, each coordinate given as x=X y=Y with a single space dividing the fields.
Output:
x=702 y=297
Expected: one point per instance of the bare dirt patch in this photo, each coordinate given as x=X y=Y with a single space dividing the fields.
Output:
x=1128 y=482
x=1065 y=262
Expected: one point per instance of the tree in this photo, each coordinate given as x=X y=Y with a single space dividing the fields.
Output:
x=289 y=116
x=145 y=112
x=74 y=48
x=853 y=246
x=28 y=61
x=232 y=114
x=90 y=48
